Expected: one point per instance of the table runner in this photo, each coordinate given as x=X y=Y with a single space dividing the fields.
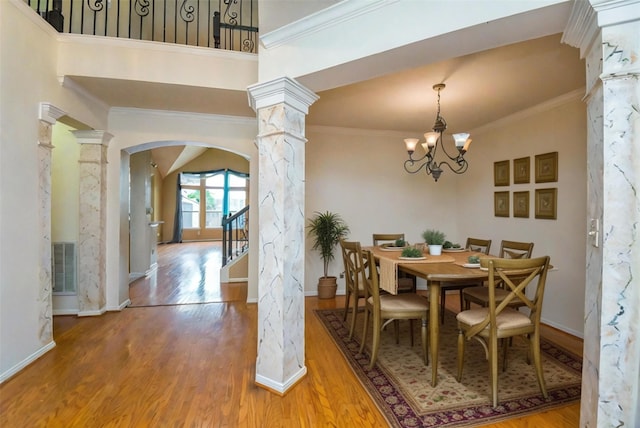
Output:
x=389 y=267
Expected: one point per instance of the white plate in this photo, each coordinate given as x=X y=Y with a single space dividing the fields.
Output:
x=485 y=269
x=392 y=248
x=471 y=265
x=411 y=258
x=453 y=250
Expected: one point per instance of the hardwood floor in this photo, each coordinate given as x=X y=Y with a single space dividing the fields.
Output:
x=191 y=363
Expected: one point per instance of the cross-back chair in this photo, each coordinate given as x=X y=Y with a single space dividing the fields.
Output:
x=406 y=282
x=353 y=274
x=473 y=244
x=508 y=250
x=385 y=308
x=500 y=321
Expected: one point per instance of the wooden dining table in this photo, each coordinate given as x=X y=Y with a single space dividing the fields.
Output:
x=448 y=267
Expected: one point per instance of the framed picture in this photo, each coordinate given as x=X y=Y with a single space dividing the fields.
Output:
x=547 y=167
x=501 y=204
x=521 y=204
x=521 y=170
x=546 y=203
x=501 y=173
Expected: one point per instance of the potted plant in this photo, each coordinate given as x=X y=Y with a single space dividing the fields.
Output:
x=434 y=239
x=326 y=229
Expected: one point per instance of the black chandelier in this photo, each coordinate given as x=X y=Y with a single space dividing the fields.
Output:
x=428 y=162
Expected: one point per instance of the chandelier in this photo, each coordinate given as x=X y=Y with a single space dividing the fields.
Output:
x=432 y=139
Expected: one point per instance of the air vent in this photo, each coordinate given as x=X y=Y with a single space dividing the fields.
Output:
x=64 y=267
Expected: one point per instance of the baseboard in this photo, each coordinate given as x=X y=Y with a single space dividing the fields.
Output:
x=24 y=363
x=232 y=280
x=120 y=307
x=562 y=328
x=278 y=387
x=92 y=313
x=64 y=312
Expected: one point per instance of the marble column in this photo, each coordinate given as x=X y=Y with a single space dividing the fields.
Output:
x=92 y=222
x=281 y=106
x=608 y=33
x=48 y=116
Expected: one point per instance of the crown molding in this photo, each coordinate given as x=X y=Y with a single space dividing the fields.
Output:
x=336 y=14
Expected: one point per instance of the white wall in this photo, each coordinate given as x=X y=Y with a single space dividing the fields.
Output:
x=559 y=126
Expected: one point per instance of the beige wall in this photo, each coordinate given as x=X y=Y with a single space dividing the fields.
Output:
x=359 y=175
x=559 y=126
x=65 y=199
x=209 y=160
x=29 y=77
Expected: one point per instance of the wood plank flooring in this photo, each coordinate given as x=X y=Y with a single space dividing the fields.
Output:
x=193 y=364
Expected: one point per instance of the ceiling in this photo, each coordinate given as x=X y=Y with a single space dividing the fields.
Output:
x=481 y=88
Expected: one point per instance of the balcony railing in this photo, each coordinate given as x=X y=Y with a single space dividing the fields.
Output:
x=223 y=24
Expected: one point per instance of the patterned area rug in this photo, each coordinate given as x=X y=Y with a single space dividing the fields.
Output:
x=400 y=385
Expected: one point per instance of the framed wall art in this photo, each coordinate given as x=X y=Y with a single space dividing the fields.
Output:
x=501 y=173
x=546 y=203
x=501 y=204
x=547 y=167
x=521 y=170
x=521 y=204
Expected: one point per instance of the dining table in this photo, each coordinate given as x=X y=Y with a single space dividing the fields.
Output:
x=450 y=266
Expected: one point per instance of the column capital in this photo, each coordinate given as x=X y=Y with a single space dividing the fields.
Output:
x=50 y=113
x=93 y=137
x=282 y=90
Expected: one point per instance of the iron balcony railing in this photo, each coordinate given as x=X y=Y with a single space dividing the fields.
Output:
x=223 y=24
x=235 y=235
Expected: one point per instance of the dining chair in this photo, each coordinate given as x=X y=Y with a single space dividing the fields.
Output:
x=473 y=244
x=353 y=273
x=406 y=282
x=500 y=321
x=508 y=250
x=382 y=309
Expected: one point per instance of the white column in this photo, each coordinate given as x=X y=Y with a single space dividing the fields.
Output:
x=92 y=222
x=281 y=106
x=619 y=368
x=608 y=33
x=49 y=114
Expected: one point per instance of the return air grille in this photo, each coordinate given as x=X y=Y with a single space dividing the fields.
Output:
x=64 y=267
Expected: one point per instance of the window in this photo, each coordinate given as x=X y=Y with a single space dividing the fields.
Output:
x=208 y=197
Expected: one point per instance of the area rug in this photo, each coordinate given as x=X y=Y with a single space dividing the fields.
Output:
x=400 y=383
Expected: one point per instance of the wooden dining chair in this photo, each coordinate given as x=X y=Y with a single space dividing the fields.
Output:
x=508 y=250
x=406 y=282
x=473 y=244
x=383 y=309
x=500 y=321
x=353 y=274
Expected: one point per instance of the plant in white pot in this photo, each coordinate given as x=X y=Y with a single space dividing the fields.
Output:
x=434 y=239
x=326 y=229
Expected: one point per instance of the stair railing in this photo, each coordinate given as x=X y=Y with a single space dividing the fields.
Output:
x=235 y=235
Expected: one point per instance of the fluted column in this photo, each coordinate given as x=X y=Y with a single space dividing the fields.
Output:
x=92 y=222
x=49 y=114
x=608 y=34
x=281 y=106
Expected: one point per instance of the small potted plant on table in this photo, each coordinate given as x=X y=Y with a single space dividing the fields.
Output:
x=434 y=239
x=326 y=229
